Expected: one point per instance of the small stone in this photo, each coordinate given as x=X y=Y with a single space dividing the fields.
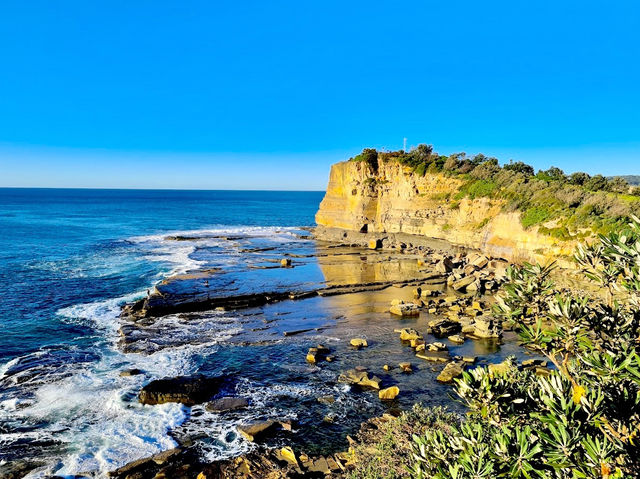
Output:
x=437 y=357
x=408 y=334
x=436 y=346
x=326 y=399
x=469 y=359
x=406 y=367
x=131 y=372
x=359 y=343
x=463 y=283
x=311 y=355
x=285 y=262
x=405 y=309
x=386 y=367
x=375 y=244
x=388 y=393
x=288 y=455
x=456 y=338
x=359 y=378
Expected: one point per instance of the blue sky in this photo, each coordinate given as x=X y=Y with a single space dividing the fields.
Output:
x=254 y=95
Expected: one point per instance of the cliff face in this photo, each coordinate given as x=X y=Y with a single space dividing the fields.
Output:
x=394 y=200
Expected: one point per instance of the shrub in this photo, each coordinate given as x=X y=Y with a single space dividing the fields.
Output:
x=368 y=156
x=582 y=419
x=535 y=215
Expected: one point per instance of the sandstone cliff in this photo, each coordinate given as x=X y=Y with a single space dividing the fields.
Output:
x=393 y=200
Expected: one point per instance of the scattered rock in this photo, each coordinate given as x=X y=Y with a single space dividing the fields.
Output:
x=131 y=372
x=435 y=356
x=187 y=390
x=386 y=367
x=456 y=338
x=360 y=378
x=405 y=309
x=226 y=404
x=406 y=367
x=285 y=262
x=388 y=393
x=255 y=430
x=287 y=454
x=450 y=372
x=462 y=284
x=359 y=343
x=326 y=399
x=444 y=327
x=436 y=346
x=407 y=334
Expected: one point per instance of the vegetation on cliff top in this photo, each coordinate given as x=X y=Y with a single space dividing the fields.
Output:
x=579 y=420
x=564 y=206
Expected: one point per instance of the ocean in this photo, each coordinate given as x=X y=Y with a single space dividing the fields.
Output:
x=68 y=259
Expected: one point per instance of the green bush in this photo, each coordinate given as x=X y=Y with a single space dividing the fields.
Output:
x=535 y=215
x=581 y=419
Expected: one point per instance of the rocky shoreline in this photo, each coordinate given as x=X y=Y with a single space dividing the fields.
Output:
x=449 y=284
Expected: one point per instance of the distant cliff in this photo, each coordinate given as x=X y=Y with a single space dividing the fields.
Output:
x=389 y=197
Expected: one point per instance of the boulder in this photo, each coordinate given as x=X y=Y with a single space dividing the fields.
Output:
x=375 y=244
x=407 y=334
x=255 y=430
x=285 y=262
x=360 y=378
x=444 y=266
x=405 y=309
x=226 y=404
x=131 y=372
x=187 y=390
x=312 y=355
x=406 y=367
x=389 y=393
x=456 y=338
x=450 y=372
x=437 y=346
x=462 y=284
x=486 y=327
x=359 y=343
x=434 y=356
x=444 y=327
x=286 y=454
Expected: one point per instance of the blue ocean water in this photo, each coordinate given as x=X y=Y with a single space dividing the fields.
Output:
x=62 y=247
x=68 y=259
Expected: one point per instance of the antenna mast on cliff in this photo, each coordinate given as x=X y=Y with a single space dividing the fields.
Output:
x=404 y=145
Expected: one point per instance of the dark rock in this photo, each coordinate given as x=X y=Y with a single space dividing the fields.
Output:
x=187 y=390
x=226 y=404
x=131 y=372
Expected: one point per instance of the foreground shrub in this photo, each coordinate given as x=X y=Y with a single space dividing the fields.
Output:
x=580 y=421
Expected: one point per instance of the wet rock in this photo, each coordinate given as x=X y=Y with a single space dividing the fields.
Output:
x=450 y=372
x=436 y=346
x=456 y=338
x=407 y=334
x=400 y=308
x=226 y=404
x=285 y=262
x=375 y=244
x=255 y=430
x=444 y=327
x=131 y=372
x=444 y=266
x=469 y=359
x=360 y=378
x=389 y=393
x=386 y=367
x=359 y=343
x=312 y=355
x=326 y=399
x=187 y=390
x=435 y=356
x=486 y=327
x=287 y=454
x=461 y=284
x=406 y=367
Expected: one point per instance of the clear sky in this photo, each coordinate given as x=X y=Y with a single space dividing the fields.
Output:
x=210 y=94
